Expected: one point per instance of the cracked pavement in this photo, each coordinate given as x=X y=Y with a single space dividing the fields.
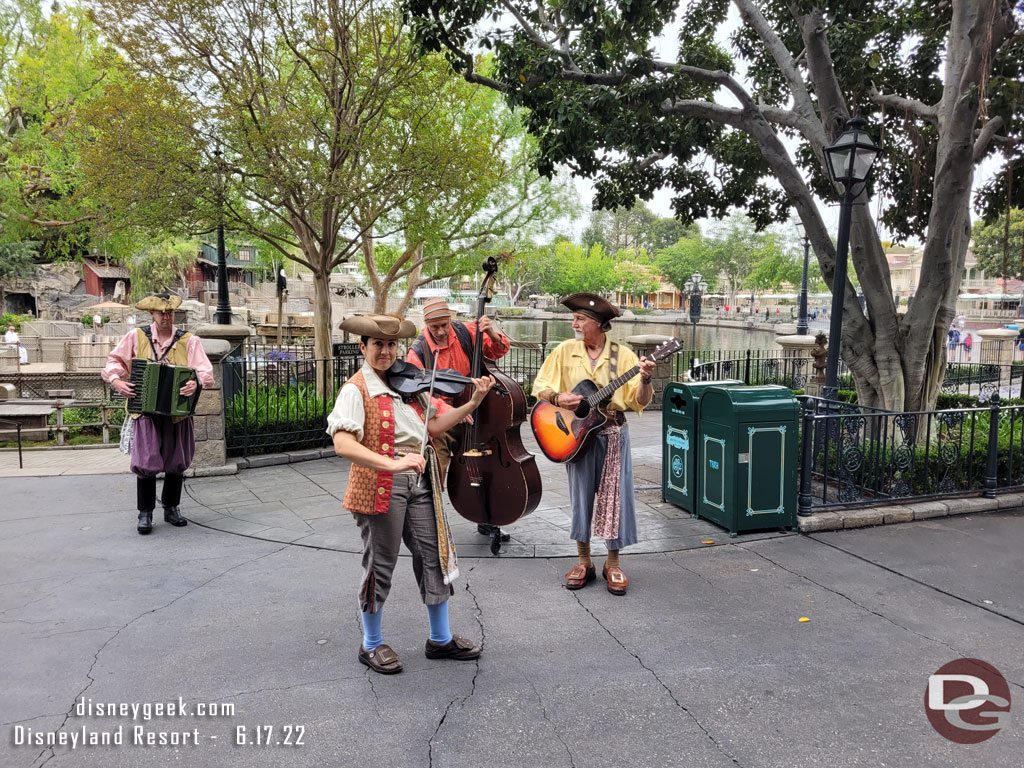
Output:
x=702 y=663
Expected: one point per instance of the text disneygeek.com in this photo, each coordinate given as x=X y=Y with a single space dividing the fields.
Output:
x=145 y=733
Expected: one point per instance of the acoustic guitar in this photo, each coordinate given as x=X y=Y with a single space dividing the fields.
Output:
x=561 y=433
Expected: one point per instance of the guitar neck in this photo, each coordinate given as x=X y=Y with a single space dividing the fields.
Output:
x=607 y=391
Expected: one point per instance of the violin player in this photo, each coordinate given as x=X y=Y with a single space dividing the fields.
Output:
x=448 y=343
x=387 y=494
x=601 y=491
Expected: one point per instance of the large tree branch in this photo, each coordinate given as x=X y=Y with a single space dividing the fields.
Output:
x=903 y=104
x=784 y=60
x=986 y=136
x=48 y=223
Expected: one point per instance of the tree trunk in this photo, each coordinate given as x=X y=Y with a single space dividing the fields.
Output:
x=322 y=315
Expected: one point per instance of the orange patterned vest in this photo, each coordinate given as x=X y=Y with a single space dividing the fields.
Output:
x=369 y=490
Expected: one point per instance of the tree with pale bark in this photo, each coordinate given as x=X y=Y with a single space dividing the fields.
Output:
x=939 y=82
x=329 y=131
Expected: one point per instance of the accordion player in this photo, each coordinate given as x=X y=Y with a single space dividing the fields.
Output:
x=157 y=389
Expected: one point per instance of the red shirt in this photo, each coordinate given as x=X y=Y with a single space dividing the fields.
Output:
x=453 y=356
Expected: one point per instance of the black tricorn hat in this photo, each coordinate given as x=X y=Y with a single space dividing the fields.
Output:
x=592 y=305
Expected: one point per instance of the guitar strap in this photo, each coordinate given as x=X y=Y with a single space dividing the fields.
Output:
x=613 y=361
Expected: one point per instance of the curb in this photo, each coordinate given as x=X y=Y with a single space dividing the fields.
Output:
x=861 y=517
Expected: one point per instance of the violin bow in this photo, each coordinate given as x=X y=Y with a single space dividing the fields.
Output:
x=426 y=421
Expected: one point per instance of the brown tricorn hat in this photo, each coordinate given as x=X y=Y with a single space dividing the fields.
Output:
x=159 y=302
x=594 y=306
x=379 y=326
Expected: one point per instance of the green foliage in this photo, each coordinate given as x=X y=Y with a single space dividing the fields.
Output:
x=273 y=411
x=580 y=270
x=953 y=401
x=686 y=256
x=773 y=267
x=635 y=276
x=1000 y=248
x=8 y=318
x=87 y=421
x=51 y=66
x=847 y=395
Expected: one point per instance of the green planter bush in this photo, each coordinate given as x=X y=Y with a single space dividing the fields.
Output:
x=276 y=418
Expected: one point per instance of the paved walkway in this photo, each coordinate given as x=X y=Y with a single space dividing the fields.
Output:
x=103 y=460
x=301 y=503
x=780 y=652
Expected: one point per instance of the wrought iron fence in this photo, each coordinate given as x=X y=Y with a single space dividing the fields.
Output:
x=983 y=380
x=861 y=456
x=758 y=366
x=280 y=405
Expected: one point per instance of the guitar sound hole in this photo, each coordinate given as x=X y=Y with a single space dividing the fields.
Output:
x=583 y=409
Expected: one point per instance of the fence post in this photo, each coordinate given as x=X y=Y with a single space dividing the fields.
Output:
x=989 y=491
x=746 y=373
x=806 y=460
x=60 y=422
x=208 y=421
x=105 y=423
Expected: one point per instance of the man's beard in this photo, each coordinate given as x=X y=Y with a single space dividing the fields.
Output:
x=578 y=334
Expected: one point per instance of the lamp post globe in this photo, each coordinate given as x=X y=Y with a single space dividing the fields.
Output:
x=848 y=162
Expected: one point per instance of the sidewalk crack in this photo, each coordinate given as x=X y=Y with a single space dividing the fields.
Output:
x=668 y=690
x=461 y=700
x=698 y=574
x=557 y=730
x=50 y=752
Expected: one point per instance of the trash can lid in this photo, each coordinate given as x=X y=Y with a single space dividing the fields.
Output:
x=726 y=404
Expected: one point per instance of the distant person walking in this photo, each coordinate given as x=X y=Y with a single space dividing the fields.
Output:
x=968 y=345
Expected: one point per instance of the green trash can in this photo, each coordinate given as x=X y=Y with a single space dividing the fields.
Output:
x=748 y=457
x=680 y=415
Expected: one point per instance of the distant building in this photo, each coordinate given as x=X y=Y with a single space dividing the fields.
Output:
x=101 y=278
x=202 y=275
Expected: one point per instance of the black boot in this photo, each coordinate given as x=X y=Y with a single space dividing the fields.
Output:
x=145 y=521
x=173 y=516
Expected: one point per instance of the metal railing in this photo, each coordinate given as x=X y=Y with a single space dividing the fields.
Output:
x=862 y=456
x=17 y=425
x=754 y=366
x=275 y=406
x=111 y=416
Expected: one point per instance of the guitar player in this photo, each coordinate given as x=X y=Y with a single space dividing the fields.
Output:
x=601 y=492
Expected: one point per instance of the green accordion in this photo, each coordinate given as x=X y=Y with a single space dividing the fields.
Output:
x=158 y=386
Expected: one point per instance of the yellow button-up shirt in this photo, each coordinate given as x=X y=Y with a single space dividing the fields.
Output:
x=569 y=364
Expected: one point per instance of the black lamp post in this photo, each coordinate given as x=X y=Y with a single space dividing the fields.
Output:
x=848 y=161
x=222 y=316
x=695 y=287
x=801 y=320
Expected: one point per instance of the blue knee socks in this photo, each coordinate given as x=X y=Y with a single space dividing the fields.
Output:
x=440 y=632
x=372 y=636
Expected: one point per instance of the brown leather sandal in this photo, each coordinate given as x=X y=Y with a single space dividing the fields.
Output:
x=381 y=659
x=617 y=581
x=580 y=575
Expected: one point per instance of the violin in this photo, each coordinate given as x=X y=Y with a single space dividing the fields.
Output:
x=409 y=380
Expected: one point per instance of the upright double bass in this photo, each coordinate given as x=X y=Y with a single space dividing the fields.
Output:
x=492 y=479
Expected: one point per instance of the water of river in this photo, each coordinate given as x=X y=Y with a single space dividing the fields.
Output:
x=708 y=337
